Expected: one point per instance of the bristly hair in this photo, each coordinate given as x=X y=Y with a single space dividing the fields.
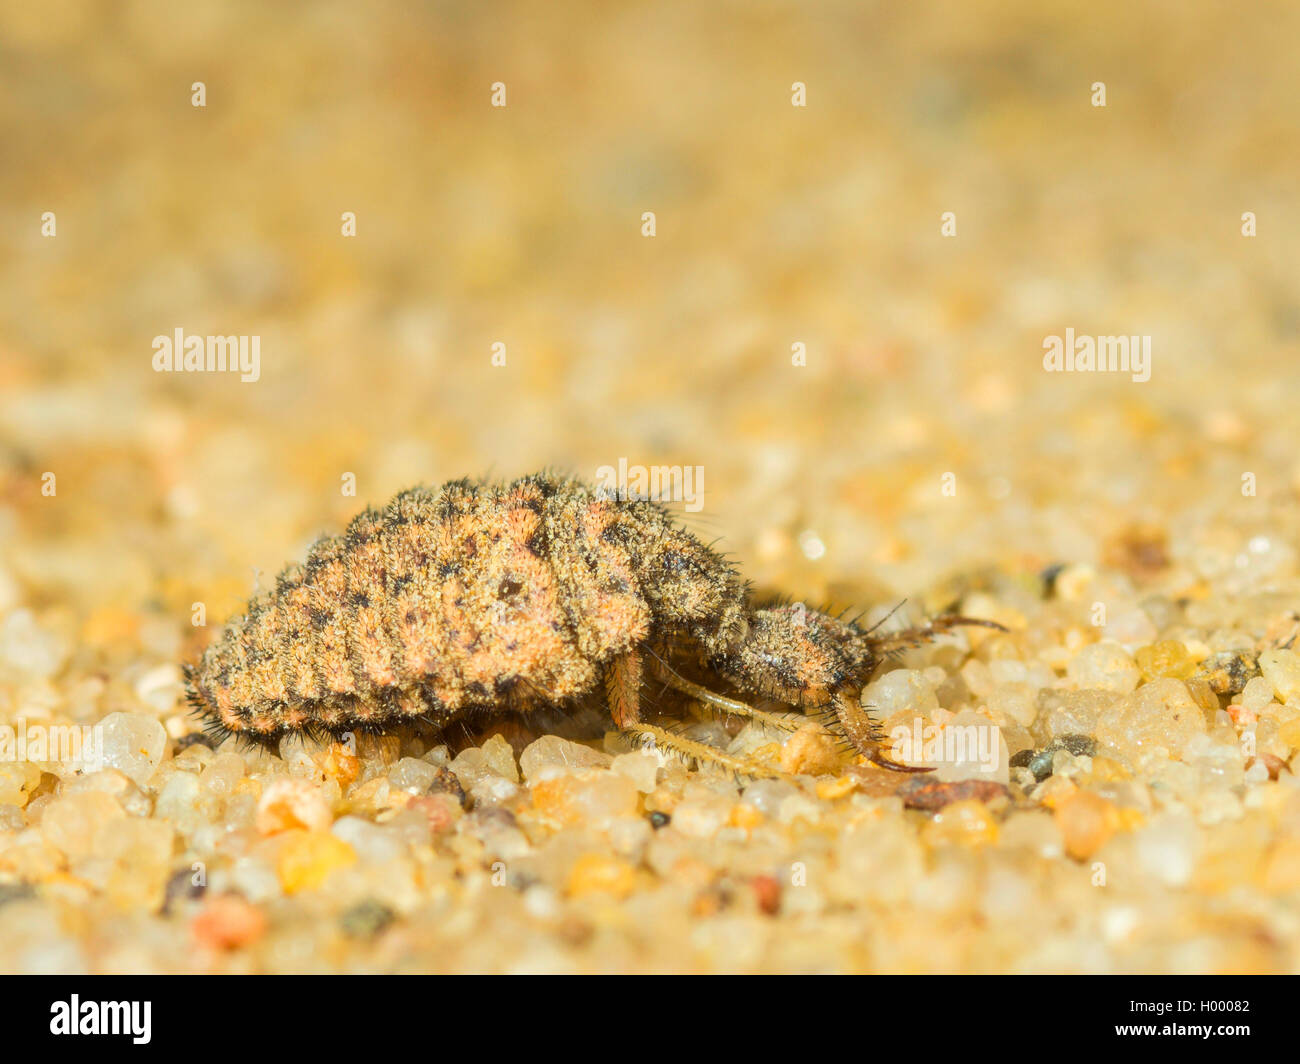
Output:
x=886 y=617
x=208 y=722
x=216 y=732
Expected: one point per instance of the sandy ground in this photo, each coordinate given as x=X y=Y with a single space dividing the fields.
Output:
x=858 y=375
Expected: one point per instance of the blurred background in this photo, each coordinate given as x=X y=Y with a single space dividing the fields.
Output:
x=523 y=225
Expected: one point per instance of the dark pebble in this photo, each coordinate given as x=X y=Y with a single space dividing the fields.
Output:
x=16 y=892
x=919 y=793
x=181 y=887
x=366 y=919
x=445 y=782
x=1039 y=762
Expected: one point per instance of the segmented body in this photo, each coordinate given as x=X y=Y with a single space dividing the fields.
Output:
x=472 y=595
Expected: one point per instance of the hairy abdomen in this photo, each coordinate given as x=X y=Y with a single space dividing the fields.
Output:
x=467 y=595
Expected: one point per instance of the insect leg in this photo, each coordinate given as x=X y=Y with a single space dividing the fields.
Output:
x=727 y=705
x=623 y=688
x=651 y=736
x=865 y=732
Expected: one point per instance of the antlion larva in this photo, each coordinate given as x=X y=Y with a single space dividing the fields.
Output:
x=476 y=598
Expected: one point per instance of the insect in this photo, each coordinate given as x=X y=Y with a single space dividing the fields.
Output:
x=477 y=598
